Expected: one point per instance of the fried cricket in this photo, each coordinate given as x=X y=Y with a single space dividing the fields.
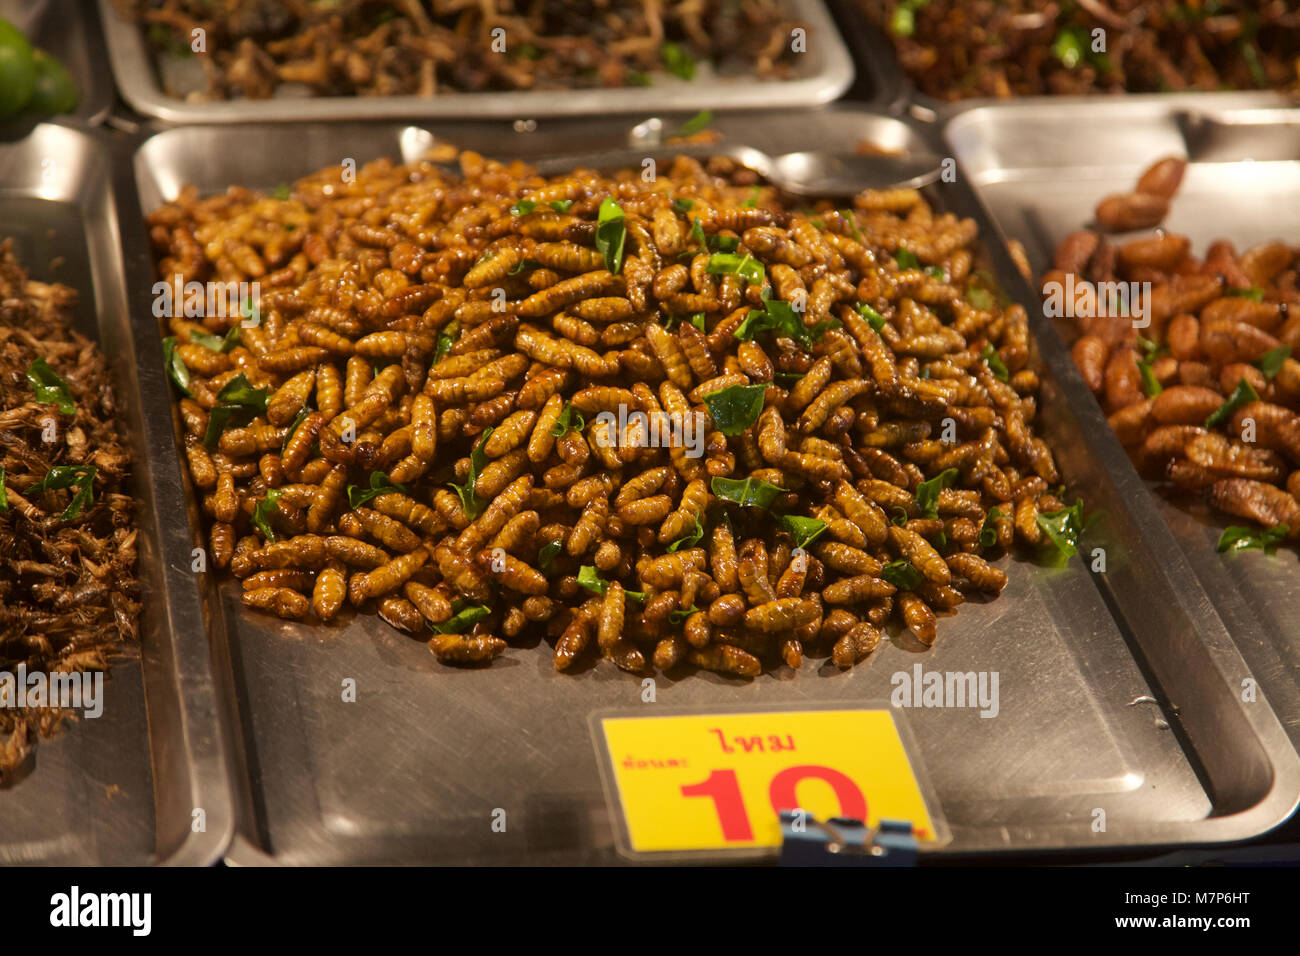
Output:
x=69 y=599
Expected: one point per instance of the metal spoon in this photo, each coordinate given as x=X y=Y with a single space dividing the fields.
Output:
x=812 y=173
x=803 y=173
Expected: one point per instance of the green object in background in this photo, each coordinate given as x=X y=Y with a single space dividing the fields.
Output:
x=1070 y=46
x=17 y=70
x=54 y=91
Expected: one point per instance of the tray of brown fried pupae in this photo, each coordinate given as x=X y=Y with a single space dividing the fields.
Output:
x=1206 y=396
x=469 y=490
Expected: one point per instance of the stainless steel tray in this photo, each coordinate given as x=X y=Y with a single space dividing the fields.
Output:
x=822 y=74
x=413 y=770
x=120 y=789
x=869 y=44
x=1041 y=171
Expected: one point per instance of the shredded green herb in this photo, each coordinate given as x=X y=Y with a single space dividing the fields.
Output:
x=470 y=502
x=293 y=426
x=690 y=540
x=446 y=339
x=728 y=263
x=80 y=477
x=263 y=510
x=1271 y=362
x=49 y=388
x=735 y=408
x=907 y=259
x=217 y=343
x=589 y=578
x=570 y=419
x=239 y=404
x=547 y=552
x=695 y=124
x=611 y=231
x=464 y=616
x=1063 y=528
x=781 y=318
x=1241 y=395
x=677 y=60
x=876 y=320
x=988 y=531
x=927 y=492
x=803 y=530
x=379 y=485
x=994 y=362
x=177 y=371
x=1237 y=538
x=902 y=575
x=746 y=491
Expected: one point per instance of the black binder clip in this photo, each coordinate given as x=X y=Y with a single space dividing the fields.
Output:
x=843 y=842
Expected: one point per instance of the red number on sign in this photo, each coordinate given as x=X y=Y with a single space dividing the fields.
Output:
x=724 y=790
x=852 y=803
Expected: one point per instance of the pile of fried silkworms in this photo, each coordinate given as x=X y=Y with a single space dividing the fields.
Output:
x=654 y=421
x=1197 y=378
x=68 y=594
x=416 y=47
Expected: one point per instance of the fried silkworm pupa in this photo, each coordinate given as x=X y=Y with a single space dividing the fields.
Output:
x=282 y=602
x=727 y=659
x=654 y=423
x=463 y=649
x=855 y=645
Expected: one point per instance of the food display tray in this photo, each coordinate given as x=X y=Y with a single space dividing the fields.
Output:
x=820 y=75
x=1041 y=179
x=869 y=44
x=1118 y=691
x=124 y=788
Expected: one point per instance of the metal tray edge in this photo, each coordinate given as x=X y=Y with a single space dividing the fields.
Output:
x=203 y=732
x=132 y=70
x=1279 y=803
x=1275 y=804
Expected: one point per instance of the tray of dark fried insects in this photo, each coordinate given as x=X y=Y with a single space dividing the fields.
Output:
x=1164 y=244
x=443 y=550
x=942 y=56
x=109 y=748
x=193 y=61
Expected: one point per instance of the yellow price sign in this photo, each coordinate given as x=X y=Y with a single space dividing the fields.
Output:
x=719 y=781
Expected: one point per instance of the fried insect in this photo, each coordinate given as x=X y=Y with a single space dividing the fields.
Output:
x=1168 y=46
x=69 y=597
x=1200 y=390
x=329 y=592
x=282 y=602
x=461 y=649
x=661 y=424
x=404 y=48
